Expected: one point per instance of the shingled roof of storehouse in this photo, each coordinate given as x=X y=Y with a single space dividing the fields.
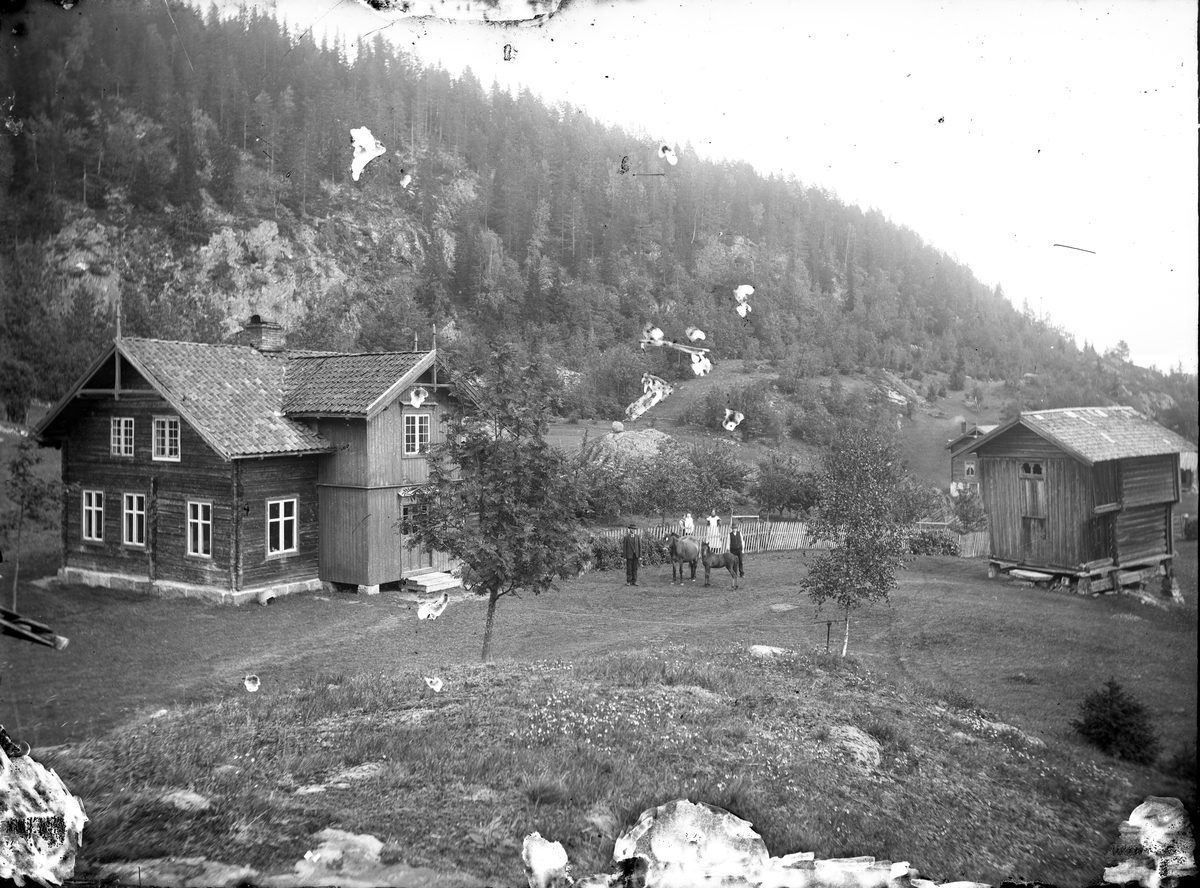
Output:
x=1097 y=434
x=349 y=385
x=232 y=395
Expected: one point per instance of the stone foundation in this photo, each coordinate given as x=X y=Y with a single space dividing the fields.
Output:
x=173 y=589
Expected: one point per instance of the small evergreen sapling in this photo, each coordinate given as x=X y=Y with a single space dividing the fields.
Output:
x=1113 y=721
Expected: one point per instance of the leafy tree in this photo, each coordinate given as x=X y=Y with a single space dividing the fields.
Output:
x=17 y=385
x=719 y=477
x=606 y=482
x=500 y=498
x=859 y=487
x=666 y=482
x=32 y=501
x=783 y=485
x=968 y=510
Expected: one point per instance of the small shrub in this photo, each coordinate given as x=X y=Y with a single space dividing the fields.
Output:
x=1116 y=723
x=887 y=735
x=610 y=555
x=932 y=542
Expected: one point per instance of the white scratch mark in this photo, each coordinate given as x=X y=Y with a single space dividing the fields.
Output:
x=366 y=149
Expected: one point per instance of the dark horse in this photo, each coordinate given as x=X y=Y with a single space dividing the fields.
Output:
x=726 y=560
x=683 y=550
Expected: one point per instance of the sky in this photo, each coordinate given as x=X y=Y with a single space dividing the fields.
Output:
x=995 y=129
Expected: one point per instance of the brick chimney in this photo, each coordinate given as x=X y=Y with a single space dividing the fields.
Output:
x=266 y=336
x=964 y=422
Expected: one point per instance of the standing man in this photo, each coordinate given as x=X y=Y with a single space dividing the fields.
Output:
x=735 y=546
x=633 y=554
x=714 y=530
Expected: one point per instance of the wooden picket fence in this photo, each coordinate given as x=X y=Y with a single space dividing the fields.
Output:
x=790 y=536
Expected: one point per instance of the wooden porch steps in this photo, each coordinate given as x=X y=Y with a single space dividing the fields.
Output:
x=432 y=582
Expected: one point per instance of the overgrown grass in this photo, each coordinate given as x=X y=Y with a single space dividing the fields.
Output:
x=465 y=774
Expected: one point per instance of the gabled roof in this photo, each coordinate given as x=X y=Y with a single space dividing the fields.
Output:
x=1097 y=434
x=231 y=395
x=972 y=434
x=350 y=385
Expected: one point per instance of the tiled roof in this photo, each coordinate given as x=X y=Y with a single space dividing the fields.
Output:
x=231 y=394
x=1102 y=433
x=343 y=384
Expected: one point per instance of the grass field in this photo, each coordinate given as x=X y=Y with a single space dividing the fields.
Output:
x=606 y=699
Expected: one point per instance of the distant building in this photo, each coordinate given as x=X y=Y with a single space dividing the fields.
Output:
x=1084 y=494
x=1187 y=469
x=236 y=471
x=963 y=468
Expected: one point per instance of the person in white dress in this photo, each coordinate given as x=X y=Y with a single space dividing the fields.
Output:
x=688 y=524
x=714 y=530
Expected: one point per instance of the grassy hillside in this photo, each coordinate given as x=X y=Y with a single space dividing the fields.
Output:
x=611 y=699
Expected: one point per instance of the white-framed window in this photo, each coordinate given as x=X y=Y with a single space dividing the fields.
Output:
x=122 y=436
x=199 y=525
x=133 y=519
x=970 y=470
x=166 y=438
x=93 y=516
x=281 y=526
x=416 y=433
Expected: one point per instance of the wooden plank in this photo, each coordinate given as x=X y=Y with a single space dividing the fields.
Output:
x=1036 y=576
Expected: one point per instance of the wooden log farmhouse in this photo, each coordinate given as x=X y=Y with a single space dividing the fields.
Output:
x=1082 y=496
x=239 y=471
x=963 y=475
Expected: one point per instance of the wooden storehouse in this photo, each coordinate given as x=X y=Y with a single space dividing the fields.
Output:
x=239 y=471
x=1081 y=495
x=963 y=474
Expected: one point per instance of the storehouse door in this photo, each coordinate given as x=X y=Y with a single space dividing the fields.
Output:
x=413 y=557
x=1033 y=512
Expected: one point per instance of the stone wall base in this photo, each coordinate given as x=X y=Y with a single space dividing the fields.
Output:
x=172 y=589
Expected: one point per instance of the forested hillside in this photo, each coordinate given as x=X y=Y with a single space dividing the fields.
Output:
x=199 y=169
